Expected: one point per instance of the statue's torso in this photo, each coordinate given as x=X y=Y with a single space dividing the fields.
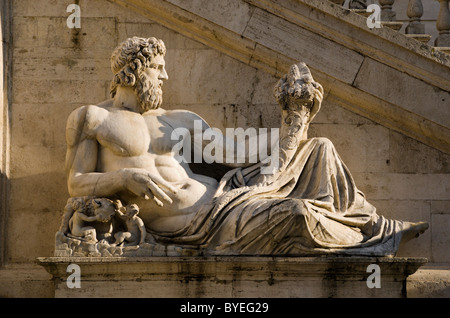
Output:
x=132 y=140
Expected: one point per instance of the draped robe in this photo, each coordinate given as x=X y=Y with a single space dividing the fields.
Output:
x=313 y=207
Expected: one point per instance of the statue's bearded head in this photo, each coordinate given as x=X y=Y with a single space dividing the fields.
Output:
x=130 y=63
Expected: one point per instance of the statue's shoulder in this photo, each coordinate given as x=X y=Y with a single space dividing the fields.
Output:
x=85 y=119
x=90 y=113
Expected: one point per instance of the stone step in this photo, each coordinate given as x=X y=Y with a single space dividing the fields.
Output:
x=394 y=25
x=430 y=281
x=339 y=2
x=234 y=276
x=424 y=38
x=362 y=12
x=443 y=49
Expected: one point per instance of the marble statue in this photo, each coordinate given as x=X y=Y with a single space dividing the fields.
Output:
x=135 y=233
x=121 y=150
x=94 y=211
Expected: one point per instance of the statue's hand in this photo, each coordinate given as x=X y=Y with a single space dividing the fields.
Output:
x=255 y=176
x=147 y=185
x=263 y=180
x=318 y=97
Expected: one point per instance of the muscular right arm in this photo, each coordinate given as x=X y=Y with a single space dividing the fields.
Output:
x=81 y=159
x=82 y=178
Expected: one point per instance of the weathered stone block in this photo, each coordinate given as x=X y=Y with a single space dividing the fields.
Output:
x=334 y=114
x=430 y=281
x=173 y=41
x=59 y=68
x=53 y=32
x=226 y=277
x=440 y=207
x=278 y=34
x=395 y=186
x=421 y=158
x=400 y=89
x=25 y=248
x=234 y=14
x=30 y=126
x=25 y=281
x=60 y=91
x=363 y=148
x=237 y=77
x=440 y=236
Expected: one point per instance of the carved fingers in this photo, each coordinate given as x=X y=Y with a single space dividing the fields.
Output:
x=150 y=186
x=157 y=194
x=318 y=97
x=318 y=94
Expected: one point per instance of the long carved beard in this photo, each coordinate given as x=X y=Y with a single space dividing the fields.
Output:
x=149 y=93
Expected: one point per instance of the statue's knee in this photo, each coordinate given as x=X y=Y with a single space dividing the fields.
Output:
x=322 y=141
x=89 y=232
x=297 y=208
x=323 y=144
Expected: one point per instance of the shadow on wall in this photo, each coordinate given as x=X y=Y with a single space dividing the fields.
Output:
x=35 y=206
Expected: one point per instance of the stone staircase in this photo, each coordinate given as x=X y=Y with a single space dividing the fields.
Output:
x=415 y=28
x=353 y=61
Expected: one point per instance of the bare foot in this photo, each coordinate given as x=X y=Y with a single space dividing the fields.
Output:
x=412 y=230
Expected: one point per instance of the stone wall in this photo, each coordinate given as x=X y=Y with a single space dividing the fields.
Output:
x=6 y=47
x=56 y=69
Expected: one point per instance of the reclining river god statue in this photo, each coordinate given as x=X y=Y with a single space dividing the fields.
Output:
x=133 y=194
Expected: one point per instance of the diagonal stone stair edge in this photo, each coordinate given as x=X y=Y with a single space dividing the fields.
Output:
x=384 y=44
x=341 y=87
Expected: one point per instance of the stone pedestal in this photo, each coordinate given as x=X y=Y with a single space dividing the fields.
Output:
x=232 y=277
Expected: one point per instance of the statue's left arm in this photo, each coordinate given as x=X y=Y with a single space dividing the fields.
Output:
x=212 y=145
x=295 y=122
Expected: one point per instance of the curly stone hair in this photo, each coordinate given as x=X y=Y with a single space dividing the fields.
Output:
x=131 y=57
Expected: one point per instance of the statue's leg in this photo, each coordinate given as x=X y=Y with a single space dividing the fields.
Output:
x=412 y=230
x=322 y=175
x=285 y=226
x=121 y=237
x=89 y=233
x=306 y=221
